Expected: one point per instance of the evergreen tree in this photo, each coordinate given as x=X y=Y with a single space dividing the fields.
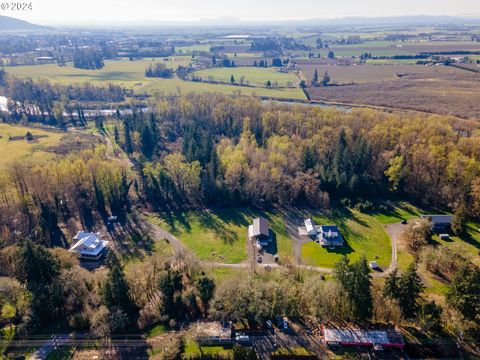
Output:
x=128 y=138
x=315 y=77
x=116 y=135
x=391 y=287
x=115 y=290
x=34 y=265
x=409 y=289
x=464 y=292
x=405 y=290
x=356 y=281
x=205 y=287
x=232 y=79
x=325 y=79
x=100 y=199
x=147 y=144
x=170 y=286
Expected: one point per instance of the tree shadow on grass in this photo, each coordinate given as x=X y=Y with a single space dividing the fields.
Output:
x=218 y=227
x=468 y=238
x=173 y=216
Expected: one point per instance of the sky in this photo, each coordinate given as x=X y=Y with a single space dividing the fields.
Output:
x=87 y=11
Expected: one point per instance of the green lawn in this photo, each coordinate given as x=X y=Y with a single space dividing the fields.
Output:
x=364 y=236
x=221 y=235
x=400 y=211
x=253 y=75
x=31 y=151
x=192 y=348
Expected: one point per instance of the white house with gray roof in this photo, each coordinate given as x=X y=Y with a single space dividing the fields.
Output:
x=89 y=246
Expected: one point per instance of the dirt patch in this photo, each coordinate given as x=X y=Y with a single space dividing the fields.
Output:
x=74 y=143
x=449 y=92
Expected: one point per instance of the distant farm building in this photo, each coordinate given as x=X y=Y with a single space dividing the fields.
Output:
x=89 y=246
x=440 y=223
x=376 y=339
x=3 y=103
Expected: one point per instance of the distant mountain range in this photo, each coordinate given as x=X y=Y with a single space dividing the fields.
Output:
x=11 y=24
x=225 y=22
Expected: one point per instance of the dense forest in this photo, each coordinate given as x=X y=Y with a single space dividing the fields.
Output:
x=240 y=150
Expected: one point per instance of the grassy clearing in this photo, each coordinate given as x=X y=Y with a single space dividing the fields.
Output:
x=221 y=235
x=468 y=244
x=177 y=86
x=31 y=151
x=192 y=348
x=364 y=236
x=157 y=330
x=253 y=75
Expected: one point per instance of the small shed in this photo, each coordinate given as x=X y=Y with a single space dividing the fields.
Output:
x=310 y=227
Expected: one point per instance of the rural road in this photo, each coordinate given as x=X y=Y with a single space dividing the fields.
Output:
x=393 y=230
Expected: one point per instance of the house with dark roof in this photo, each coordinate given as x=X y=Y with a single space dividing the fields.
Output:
x=440 y=223
x=329 y=235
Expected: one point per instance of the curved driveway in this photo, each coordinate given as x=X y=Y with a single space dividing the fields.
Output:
x=393 y=231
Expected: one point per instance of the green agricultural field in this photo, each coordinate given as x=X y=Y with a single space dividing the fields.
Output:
x=130 y=74
x=221 y=235
x=253 y=75
x=364 y=236
x=24 y=150
x=176 y=86
x=391 y=61
x=191 y=48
